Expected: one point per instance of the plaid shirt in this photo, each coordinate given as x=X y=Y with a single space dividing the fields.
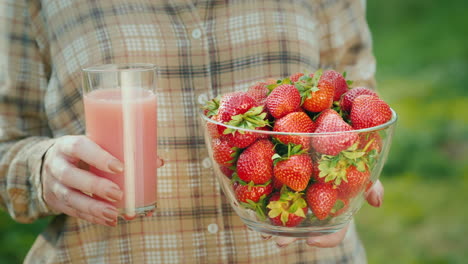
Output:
x=203 y=48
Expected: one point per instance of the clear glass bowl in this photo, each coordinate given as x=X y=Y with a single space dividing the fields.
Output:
x=371 y=147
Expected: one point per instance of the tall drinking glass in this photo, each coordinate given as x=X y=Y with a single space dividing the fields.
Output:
x=120 y=112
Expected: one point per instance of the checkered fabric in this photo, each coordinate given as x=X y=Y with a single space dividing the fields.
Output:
x=202 y=48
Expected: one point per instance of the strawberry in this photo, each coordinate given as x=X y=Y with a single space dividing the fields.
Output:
x=223 y=152
x=370 y=141
x=294 y=169
x=226 y=171
x=321 y=197
x=277 y=184
x=241 y=140
x=254 y=193
x=316 y=92
x=255 y=163
x=283 y=100
x=258 y=92
x=316 y=172
x=253 y=196
x=341 y=206
x=298 y=122
x=252 y=119
x=369 y=111
x=332 y=144
x=287 y=209
x=338 y=81
x=212 y=128
x=261 y=135
x=334 y=169
x=348 y=98
x=295 y=76
x=233 y=104
x=271 y=81
x=355 y=182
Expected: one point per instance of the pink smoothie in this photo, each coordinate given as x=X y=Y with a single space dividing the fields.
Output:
x=104 y=125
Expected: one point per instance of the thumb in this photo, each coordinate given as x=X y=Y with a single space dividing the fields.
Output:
x=375 y=195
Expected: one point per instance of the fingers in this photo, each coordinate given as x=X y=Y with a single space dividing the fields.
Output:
x=284 y=241
x=375 y=195
x=327 y=241
x=82 y=180
x=159 y=162
x=81 y=147
x=79 y=205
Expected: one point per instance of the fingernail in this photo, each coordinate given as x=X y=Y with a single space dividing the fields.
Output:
x=264 y=237
x=116 y=166
x=379 y=201
x=110 y=214
x=114 y=194
x=160 y=162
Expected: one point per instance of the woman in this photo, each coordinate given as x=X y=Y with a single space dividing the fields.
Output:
x=202 y=48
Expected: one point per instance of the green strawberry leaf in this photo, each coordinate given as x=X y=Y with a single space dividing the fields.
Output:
x=284 y=217
x=212 y=106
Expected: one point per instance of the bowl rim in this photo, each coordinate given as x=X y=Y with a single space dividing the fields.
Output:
x=383 y=126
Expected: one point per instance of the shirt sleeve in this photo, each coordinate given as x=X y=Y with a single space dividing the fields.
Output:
x=24 y=132
x=345 y=40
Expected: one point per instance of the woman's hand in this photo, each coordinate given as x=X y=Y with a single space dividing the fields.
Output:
x=374 y=197
x=65 y=183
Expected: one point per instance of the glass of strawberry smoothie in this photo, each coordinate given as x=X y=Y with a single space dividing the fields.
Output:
x=120 y=104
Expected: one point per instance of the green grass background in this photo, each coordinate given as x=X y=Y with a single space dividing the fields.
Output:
x=422 y=64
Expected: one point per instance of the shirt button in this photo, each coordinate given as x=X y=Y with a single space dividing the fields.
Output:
x=207 y=163
x=196 y=33
x=213 y=228
x=202 y=98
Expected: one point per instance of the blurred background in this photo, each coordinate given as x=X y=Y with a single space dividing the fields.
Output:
x=422 y=71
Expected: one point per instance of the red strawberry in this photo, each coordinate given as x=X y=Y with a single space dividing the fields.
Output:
x=317 y=93
x=254 y=193
x=233 y=104
x=252 y=119
x=295 y=76
x=332 y=144
x=316 y=173
x=242 y=140
x=341 y=206
x=271 y=81
x=298 y=122
x=223 y=152
x=283 y=100
x=294 y=171
x=355 y=182
x=263 y=135
x=226 y=171
x=321 y=197
x=338 y=81
x=255 y=163
x=259 y=92
x=287 y=209
x=348 y=98
x=369 y=111
x=277 y=184
x=253 y=196
x=212 y=128
x=370 y=141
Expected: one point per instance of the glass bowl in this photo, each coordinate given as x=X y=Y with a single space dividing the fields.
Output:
x=269 y=206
